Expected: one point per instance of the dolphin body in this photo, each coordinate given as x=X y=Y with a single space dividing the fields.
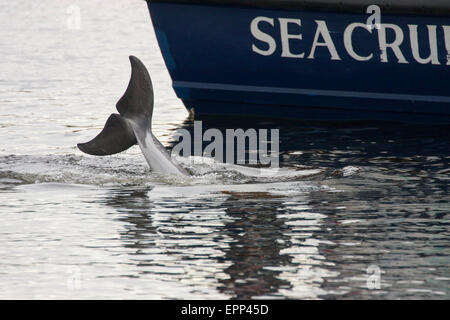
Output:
x=134 y=125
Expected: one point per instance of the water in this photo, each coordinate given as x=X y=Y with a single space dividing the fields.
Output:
x=349 y=197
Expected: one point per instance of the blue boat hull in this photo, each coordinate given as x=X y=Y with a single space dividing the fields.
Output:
x=231 y=60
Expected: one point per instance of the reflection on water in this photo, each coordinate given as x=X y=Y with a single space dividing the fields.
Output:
x=349 y=195
x=244 y=244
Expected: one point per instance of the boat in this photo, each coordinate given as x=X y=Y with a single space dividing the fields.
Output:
x=308 y=59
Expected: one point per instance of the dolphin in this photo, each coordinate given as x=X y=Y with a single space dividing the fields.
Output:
x=133 y=125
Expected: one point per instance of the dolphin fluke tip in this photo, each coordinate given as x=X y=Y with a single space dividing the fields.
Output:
x=116 y=136
x=83 y=147
x=137 y=101
x=134 y=59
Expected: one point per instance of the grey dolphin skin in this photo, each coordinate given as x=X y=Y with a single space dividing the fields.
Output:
x=134 y=125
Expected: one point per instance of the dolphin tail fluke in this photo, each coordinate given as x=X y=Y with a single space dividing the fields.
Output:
x=133 y=125
x=135 y=105
x=137 y=101
x=116 y=136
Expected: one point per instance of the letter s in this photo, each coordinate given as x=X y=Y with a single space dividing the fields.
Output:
x=264 y=37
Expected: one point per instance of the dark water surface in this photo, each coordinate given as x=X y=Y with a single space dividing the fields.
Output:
x=350 y=198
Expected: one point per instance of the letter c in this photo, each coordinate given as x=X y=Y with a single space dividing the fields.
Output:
x=348 y=41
